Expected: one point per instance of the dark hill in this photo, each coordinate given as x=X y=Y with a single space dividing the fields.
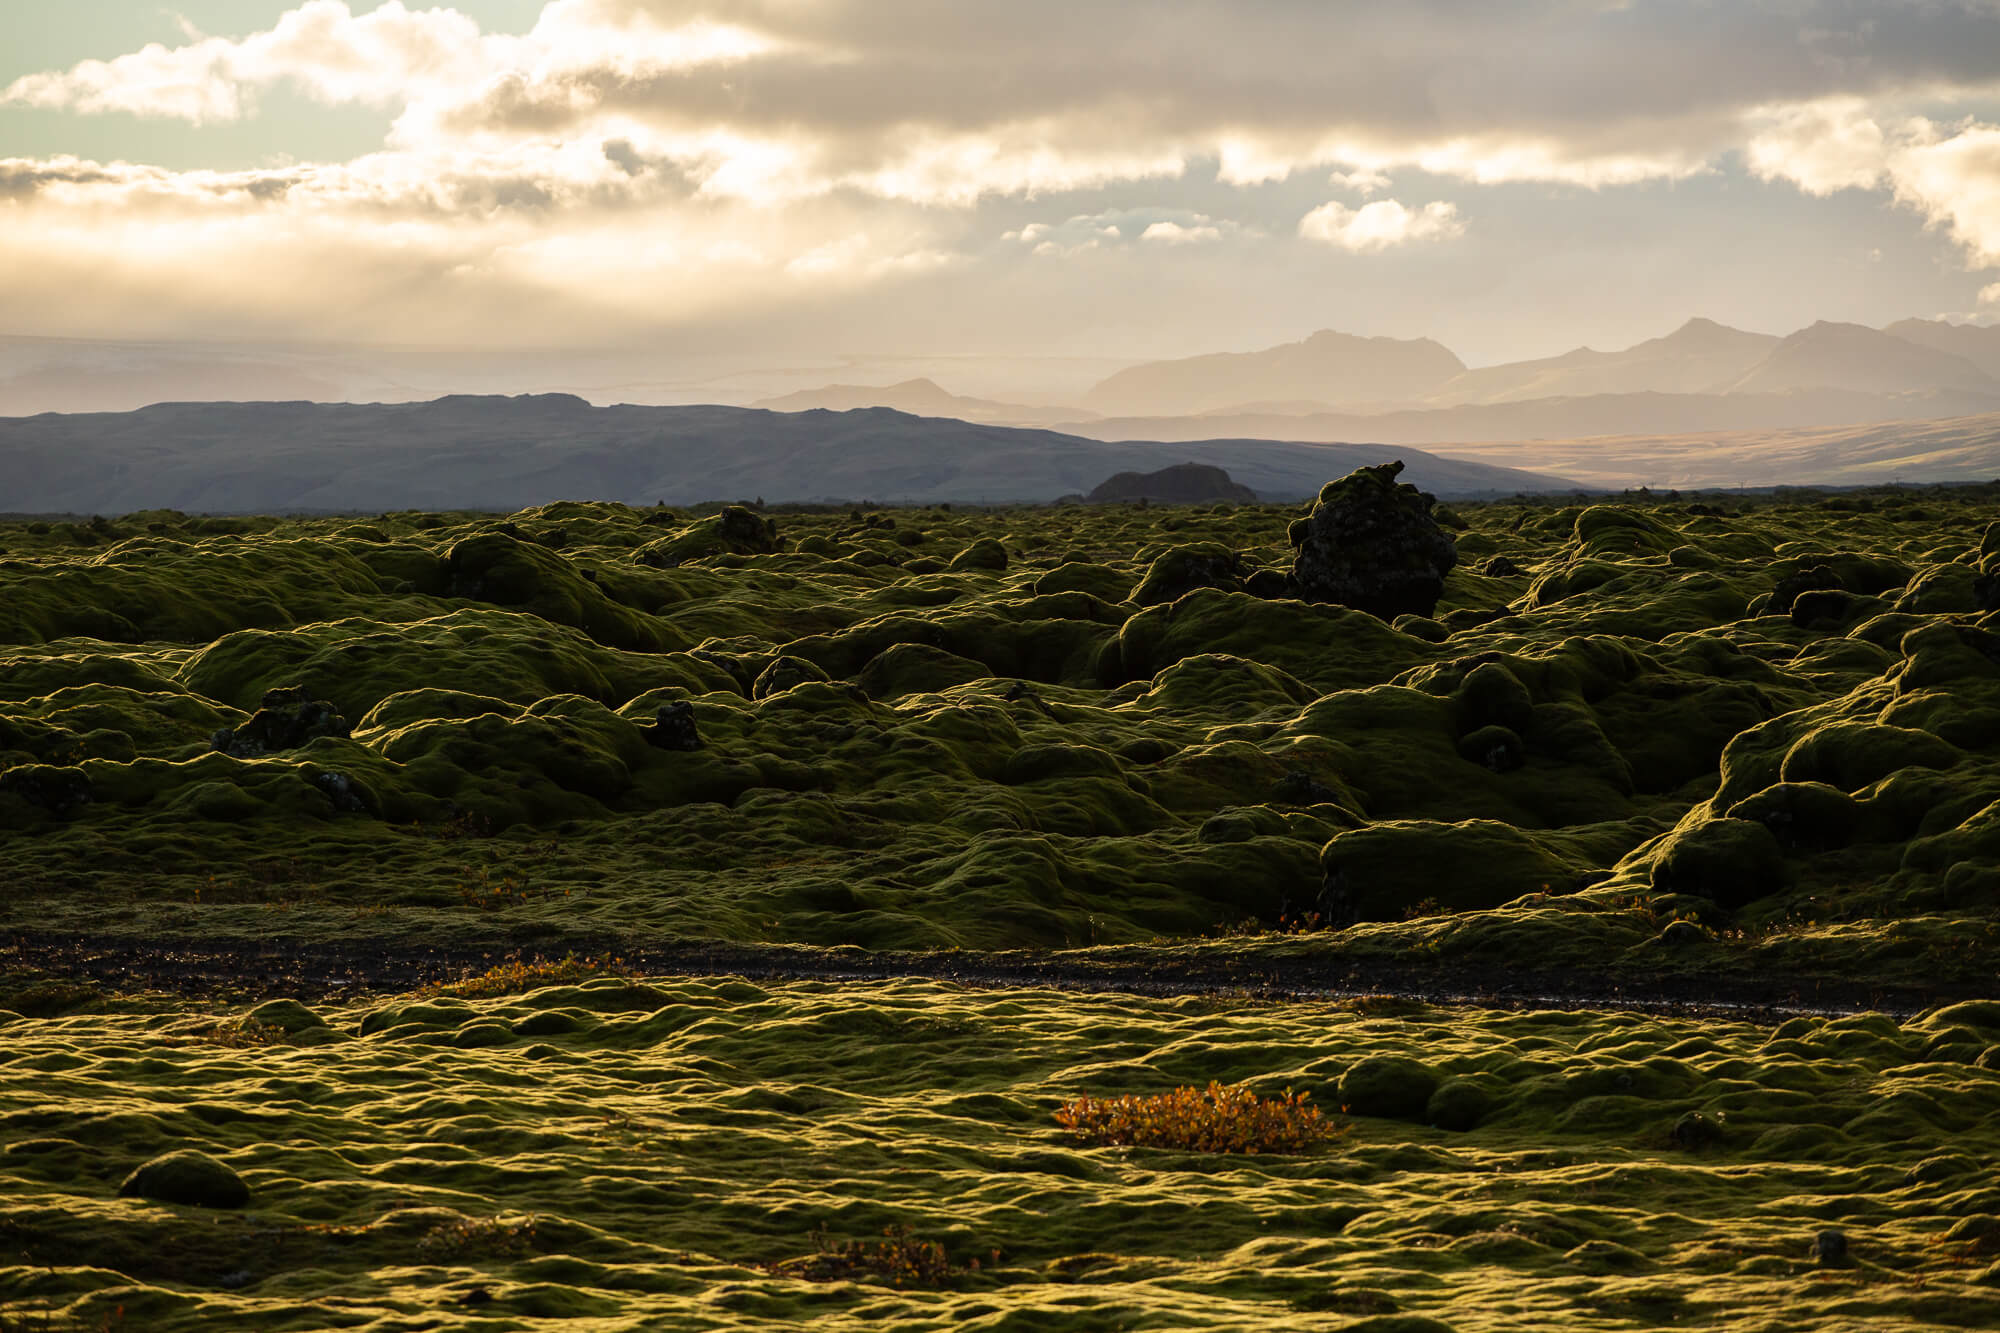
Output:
x=1181 y=484
x=511 y=453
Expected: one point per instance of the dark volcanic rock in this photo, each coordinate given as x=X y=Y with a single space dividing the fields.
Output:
x=60 y=791
x=286 y=719
x=1370 y=543
x=674 y=729
x=1181 y=484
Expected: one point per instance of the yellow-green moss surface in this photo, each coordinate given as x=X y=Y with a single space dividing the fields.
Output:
x=625 y=1154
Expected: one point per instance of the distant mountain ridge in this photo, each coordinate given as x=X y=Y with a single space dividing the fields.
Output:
x=1855 y=357
x=473 y=452
x=1694 y=358
x=1348 y=367
x=1700 y=357
x=918 y=397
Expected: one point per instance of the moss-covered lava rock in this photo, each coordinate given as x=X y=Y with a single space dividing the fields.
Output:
x=1370 y=542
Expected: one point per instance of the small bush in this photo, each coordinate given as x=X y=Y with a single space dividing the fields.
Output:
x=244 y=1033
x=898 y=1259
x=477 y=1238
x=1211 y=1119
x=515 y=976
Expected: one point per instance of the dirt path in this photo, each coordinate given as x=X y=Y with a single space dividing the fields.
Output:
x=243 y=970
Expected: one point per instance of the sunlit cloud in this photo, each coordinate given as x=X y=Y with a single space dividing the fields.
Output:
x=1174 y=233
x=1380 y=225
x=1950 y=174
x=768 y=146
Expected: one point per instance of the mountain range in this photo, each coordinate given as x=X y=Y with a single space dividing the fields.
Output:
x=1704 y=376
x=509 y=453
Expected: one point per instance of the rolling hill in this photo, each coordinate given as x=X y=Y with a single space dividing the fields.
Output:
x=507 y=453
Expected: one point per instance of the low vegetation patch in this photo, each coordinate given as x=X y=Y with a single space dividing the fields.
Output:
x=1218 y=1118
x=517 y=975
x=899 y=1259
x=477 y=1238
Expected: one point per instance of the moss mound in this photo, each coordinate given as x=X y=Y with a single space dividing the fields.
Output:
x=1082 y=725
x=192 y=1179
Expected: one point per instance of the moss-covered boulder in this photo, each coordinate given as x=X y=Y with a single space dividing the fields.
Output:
x=1102 y=581
x=288 y=1015
x=1803 y=816
x=782 y=674
x=1458 y=1104
x=1731 y=862
x=192 y=1179
x=1180 y=570
x=286 y=719
x=734 y=530
x=1370 y=542
x=1380 y=872
x=1388 y=1086
x=1496 y=748
x=984 y=555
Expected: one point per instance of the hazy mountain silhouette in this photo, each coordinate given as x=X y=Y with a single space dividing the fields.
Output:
x=919 y=397
x=115 y=387
x=1328 y=367
x=1560 y=418
x=1979 y=344
x=507 y=453
x=1854 y=356
x=1962 y=449
x=1694 y=358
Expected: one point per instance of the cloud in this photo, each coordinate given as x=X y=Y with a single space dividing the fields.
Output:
x=1173 y=233
x=1954 y=180
x=1949 y=174
x=321 y=47
x=1362 y=181
x=952 y=103
x=742 y=149
x=1380 y=225
x=1123 y=227
x=1821 y=147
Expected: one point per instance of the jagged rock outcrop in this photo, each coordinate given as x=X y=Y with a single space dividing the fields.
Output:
x=1370 y=543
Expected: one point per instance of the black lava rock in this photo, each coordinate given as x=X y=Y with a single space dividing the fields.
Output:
x=286 y=719
x=60 y=791
x=1370 y=543
x=673 y=728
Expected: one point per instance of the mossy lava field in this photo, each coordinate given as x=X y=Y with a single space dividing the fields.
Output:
x=354 y=875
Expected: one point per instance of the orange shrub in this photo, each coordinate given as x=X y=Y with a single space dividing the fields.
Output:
x=1217 y=1118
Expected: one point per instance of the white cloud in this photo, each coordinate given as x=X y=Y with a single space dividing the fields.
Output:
x=1951 y=176
x=1380 y=225
x=750 y=147
x=1361 y=180
x=1821 y=147
x=380 y=58
x=1954 y=180
x=1173 y=233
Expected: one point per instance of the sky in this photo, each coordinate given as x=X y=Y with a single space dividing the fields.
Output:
x=1038 y=178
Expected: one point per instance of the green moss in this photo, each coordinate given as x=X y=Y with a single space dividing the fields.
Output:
x=192 y=1179
x=1380 y=872
x=1730 y=861
x=874 y=727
